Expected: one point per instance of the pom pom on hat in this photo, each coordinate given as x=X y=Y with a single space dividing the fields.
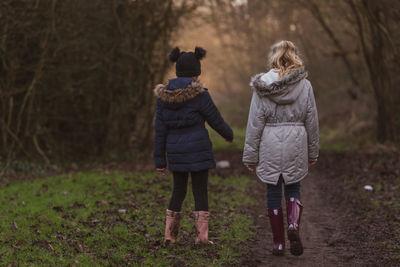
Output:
x=199 y=52
x=187 y=63
x=175 y=54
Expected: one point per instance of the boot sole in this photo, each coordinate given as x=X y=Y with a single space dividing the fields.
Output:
x=203 y=242
x=293 y=235
x=296 y=247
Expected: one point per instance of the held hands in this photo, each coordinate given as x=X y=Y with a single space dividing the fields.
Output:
x=252 y=167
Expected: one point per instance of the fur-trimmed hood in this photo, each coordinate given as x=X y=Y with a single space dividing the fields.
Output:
x=281 y=91
x=178 y=95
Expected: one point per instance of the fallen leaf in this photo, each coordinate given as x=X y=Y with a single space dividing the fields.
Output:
x=122 y=211
x=94 y=221
x=58 y=208
x=14 y=226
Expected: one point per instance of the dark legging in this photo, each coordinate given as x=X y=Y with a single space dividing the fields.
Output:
x=274 y=193
x=199 y=189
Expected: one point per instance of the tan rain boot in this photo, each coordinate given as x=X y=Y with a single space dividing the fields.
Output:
x=201 y=219
x=172 y=224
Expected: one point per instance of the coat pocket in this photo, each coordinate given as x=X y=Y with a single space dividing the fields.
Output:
x=294 y=153
x=301 y=166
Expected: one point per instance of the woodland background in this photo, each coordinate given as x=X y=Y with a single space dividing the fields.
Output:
x=76 y=77
x=77 y=180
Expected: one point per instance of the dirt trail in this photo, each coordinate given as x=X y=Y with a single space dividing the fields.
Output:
x=322 y=227
x=320 y=231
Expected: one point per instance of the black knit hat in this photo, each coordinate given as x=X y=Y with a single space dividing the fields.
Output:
x=187 y=63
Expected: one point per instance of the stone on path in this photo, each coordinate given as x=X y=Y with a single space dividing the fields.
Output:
x=223 y=164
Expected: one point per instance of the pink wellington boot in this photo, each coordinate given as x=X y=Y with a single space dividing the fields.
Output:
x=201 y=220
x=278 y=232
x=172 y=224
x=294 y=210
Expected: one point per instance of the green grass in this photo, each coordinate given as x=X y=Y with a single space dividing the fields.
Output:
x=219 y=142
x=74 y=220
x=329 y=142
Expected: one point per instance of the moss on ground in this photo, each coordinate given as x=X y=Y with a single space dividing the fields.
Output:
x=94 y=219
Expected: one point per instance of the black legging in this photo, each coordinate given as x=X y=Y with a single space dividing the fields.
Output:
x=199 y=189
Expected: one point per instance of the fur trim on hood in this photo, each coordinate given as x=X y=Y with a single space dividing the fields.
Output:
x=178 y=95
x=279 y=86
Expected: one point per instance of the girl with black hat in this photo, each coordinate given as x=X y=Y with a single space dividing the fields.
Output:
x=183 y=107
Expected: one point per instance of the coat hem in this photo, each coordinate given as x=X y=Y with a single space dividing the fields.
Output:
x=250 y=162
x=191 y=170
x=275 y=183
x=299 y=179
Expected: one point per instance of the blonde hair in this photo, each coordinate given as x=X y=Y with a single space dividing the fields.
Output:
x=284 y=56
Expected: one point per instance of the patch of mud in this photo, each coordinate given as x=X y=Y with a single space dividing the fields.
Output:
x=342 y=224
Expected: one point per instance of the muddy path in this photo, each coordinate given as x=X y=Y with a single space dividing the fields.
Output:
x=334 y=229
x=320 y=231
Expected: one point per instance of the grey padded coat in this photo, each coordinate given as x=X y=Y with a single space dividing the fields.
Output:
x=282 y=130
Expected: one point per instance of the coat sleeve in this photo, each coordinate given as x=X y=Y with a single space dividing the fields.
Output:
x=312 y=128
x=255 y=127
x=159 y=138
x=214 y=118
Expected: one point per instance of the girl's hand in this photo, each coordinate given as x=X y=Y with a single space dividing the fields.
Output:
x=250 y=167
x=311 y=163
x=161 y=170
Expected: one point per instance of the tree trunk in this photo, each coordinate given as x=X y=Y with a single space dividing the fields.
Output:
x=373 y=40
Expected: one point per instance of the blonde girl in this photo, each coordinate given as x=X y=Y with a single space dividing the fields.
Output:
x=282 y=139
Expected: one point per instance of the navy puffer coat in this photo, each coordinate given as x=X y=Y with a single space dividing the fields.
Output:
x=183 y=107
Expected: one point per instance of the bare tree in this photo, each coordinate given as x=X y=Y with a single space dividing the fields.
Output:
x=76 y=77
x=381 y=57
